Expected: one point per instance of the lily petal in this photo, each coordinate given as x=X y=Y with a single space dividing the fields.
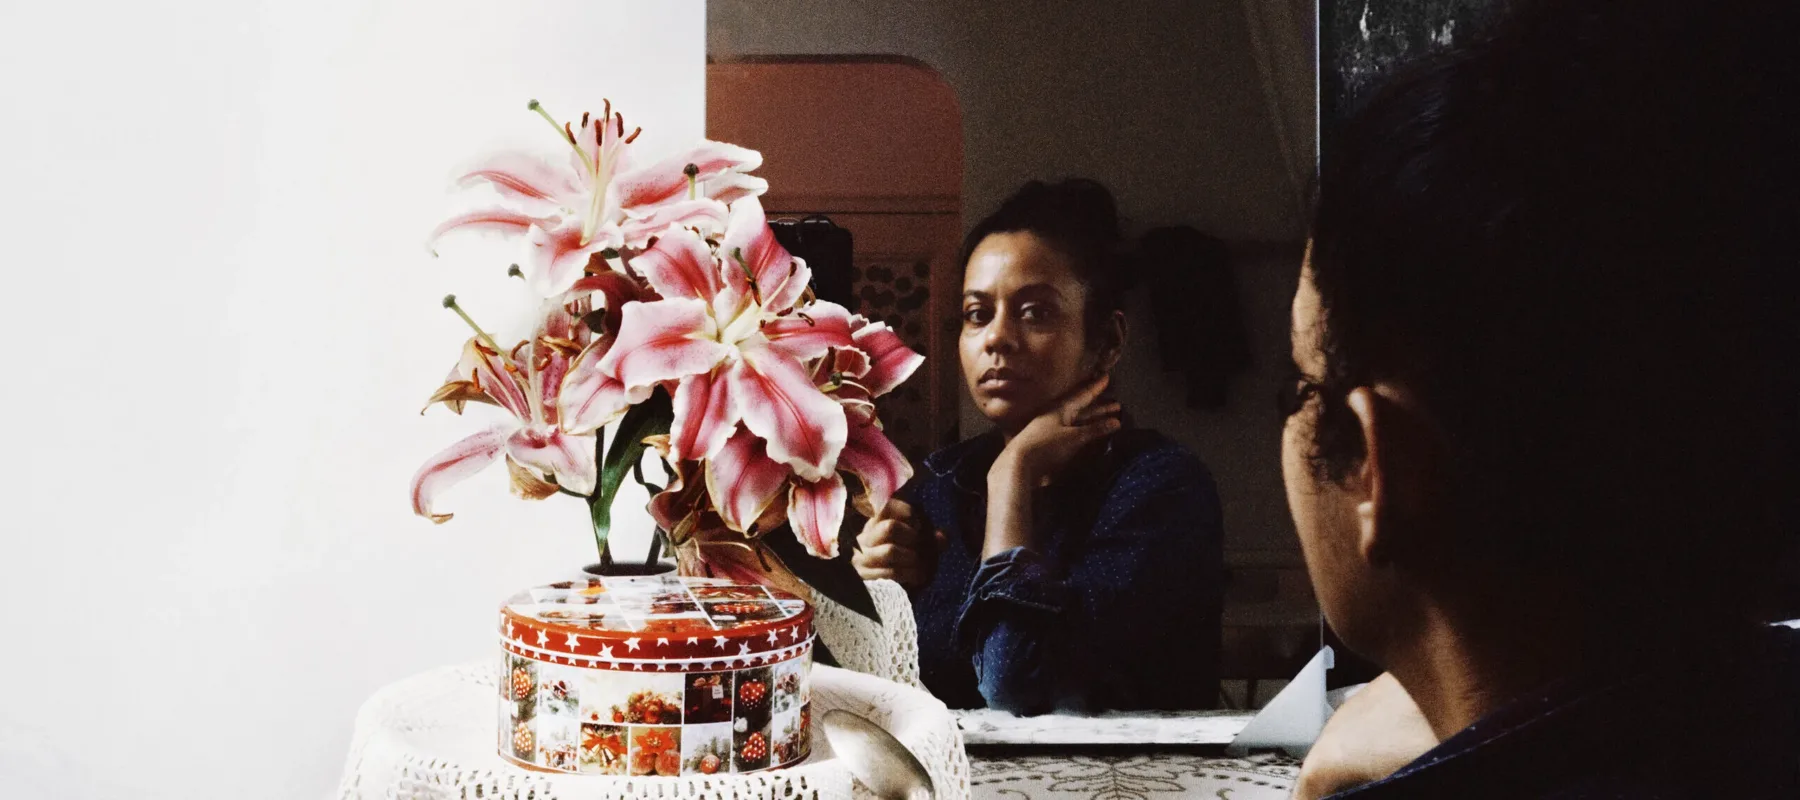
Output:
x=891 y=361
x=731 y=187
x=488 y=220
x=780 y=277
x=526 y=483
x=524 y=177
x=489 y=371
x=568 y=457
x=810 y=332
x=703 y=213
x=455 y=394
x=666 y=180
x=805 y=429
x=877 y=464
x=743 y=481
x=615 y=288
x=663 y=340
x=591 y=398
x=680 y=265
x=451 y=466
x=554 y=258
x=815 y=512
x=704 y=416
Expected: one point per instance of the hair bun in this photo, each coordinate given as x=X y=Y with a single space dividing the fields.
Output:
x=1079 y=205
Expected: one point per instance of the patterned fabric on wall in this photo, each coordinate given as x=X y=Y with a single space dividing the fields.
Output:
x=898 y=292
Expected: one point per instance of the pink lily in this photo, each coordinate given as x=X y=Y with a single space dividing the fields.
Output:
x=745 y=484
x=600 y=201
x=525 y=383
x=730 y=336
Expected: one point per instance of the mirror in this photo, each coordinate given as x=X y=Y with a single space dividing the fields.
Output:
x=905 y=126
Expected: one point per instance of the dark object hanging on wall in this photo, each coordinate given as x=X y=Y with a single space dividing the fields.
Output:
x=826 y=248
x=1199 y=321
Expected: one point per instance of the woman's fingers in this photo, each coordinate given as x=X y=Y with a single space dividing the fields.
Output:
x=893 y=556
x=1082 y=398
x=1098 y=412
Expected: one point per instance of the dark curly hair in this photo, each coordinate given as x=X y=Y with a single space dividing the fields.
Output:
x=1572 y=240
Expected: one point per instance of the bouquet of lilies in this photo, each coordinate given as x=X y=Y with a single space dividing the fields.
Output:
x=669 y=310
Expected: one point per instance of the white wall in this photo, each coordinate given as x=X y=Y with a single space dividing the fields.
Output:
x=1161 y=100
x=223 y=324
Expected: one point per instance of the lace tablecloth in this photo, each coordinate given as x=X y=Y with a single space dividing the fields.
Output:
x=1137 y=776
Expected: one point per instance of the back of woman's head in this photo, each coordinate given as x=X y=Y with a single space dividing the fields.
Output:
x=1573 y=241
x=1078 y=218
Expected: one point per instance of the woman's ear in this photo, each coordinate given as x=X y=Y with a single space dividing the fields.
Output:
x=1399 y=460
x=1112 y=344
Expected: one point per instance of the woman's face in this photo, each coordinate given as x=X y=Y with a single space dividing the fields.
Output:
x=1023 y=344
x=1324 y=513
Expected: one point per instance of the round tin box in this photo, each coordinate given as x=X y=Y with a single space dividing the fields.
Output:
x=657 y=675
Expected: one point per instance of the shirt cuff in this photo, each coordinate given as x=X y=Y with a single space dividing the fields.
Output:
x=1016 y=579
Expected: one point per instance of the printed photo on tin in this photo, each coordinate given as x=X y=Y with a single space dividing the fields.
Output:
x=788 y=686
x=740 y=612
x=656 y=750
x=520 y=683
x=752 y=696
x=556 y=737
x=524 y=740
x=750 y=749
x=731 y=592
x=674 y=603
x=634 y=698
x=572 y=614
x=603 y=749
x=707 y=697
x=683 y=625
x=706 y=749
x=790 y=734
x=557 y=690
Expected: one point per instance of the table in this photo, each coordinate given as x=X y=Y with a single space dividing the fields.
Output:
x=1123 y=775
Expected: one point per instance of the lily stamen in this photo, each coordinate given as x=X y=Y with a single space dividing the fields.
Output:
x=450 y=303
x=737 y=254
x=562 y=129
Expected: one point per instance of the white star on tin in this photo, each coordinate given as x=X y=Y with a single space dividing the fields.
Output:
x=693 y=640
x=593 y=662
x=632 y=643
x=661 y=642
x=509 y=629
x=574 y=641
x=543 y=638
x=640 y=666
x=719 y=641
x=744 y=649
x=606 y=652
x=774 y=636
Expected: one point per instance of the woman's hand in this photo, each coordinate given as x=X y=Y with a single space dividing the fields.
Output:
x=1042 y=447
x=1374 y=733
x=892 y=546
x=1052 y=438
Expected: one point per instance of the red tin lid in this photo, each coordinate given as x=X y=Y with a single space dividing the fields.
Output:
x=621 y=622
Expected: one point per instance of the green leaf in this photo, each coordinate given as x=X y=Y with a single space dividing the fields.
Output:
x=835 y=578
x=649 y=418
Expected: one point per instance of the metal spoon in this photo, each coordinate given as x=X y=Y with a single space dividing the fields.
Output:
x=876 y=758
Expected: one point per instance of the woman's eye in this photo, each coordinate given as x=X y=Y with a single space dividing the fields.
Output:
x=976 y=315
x=1034 y=313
